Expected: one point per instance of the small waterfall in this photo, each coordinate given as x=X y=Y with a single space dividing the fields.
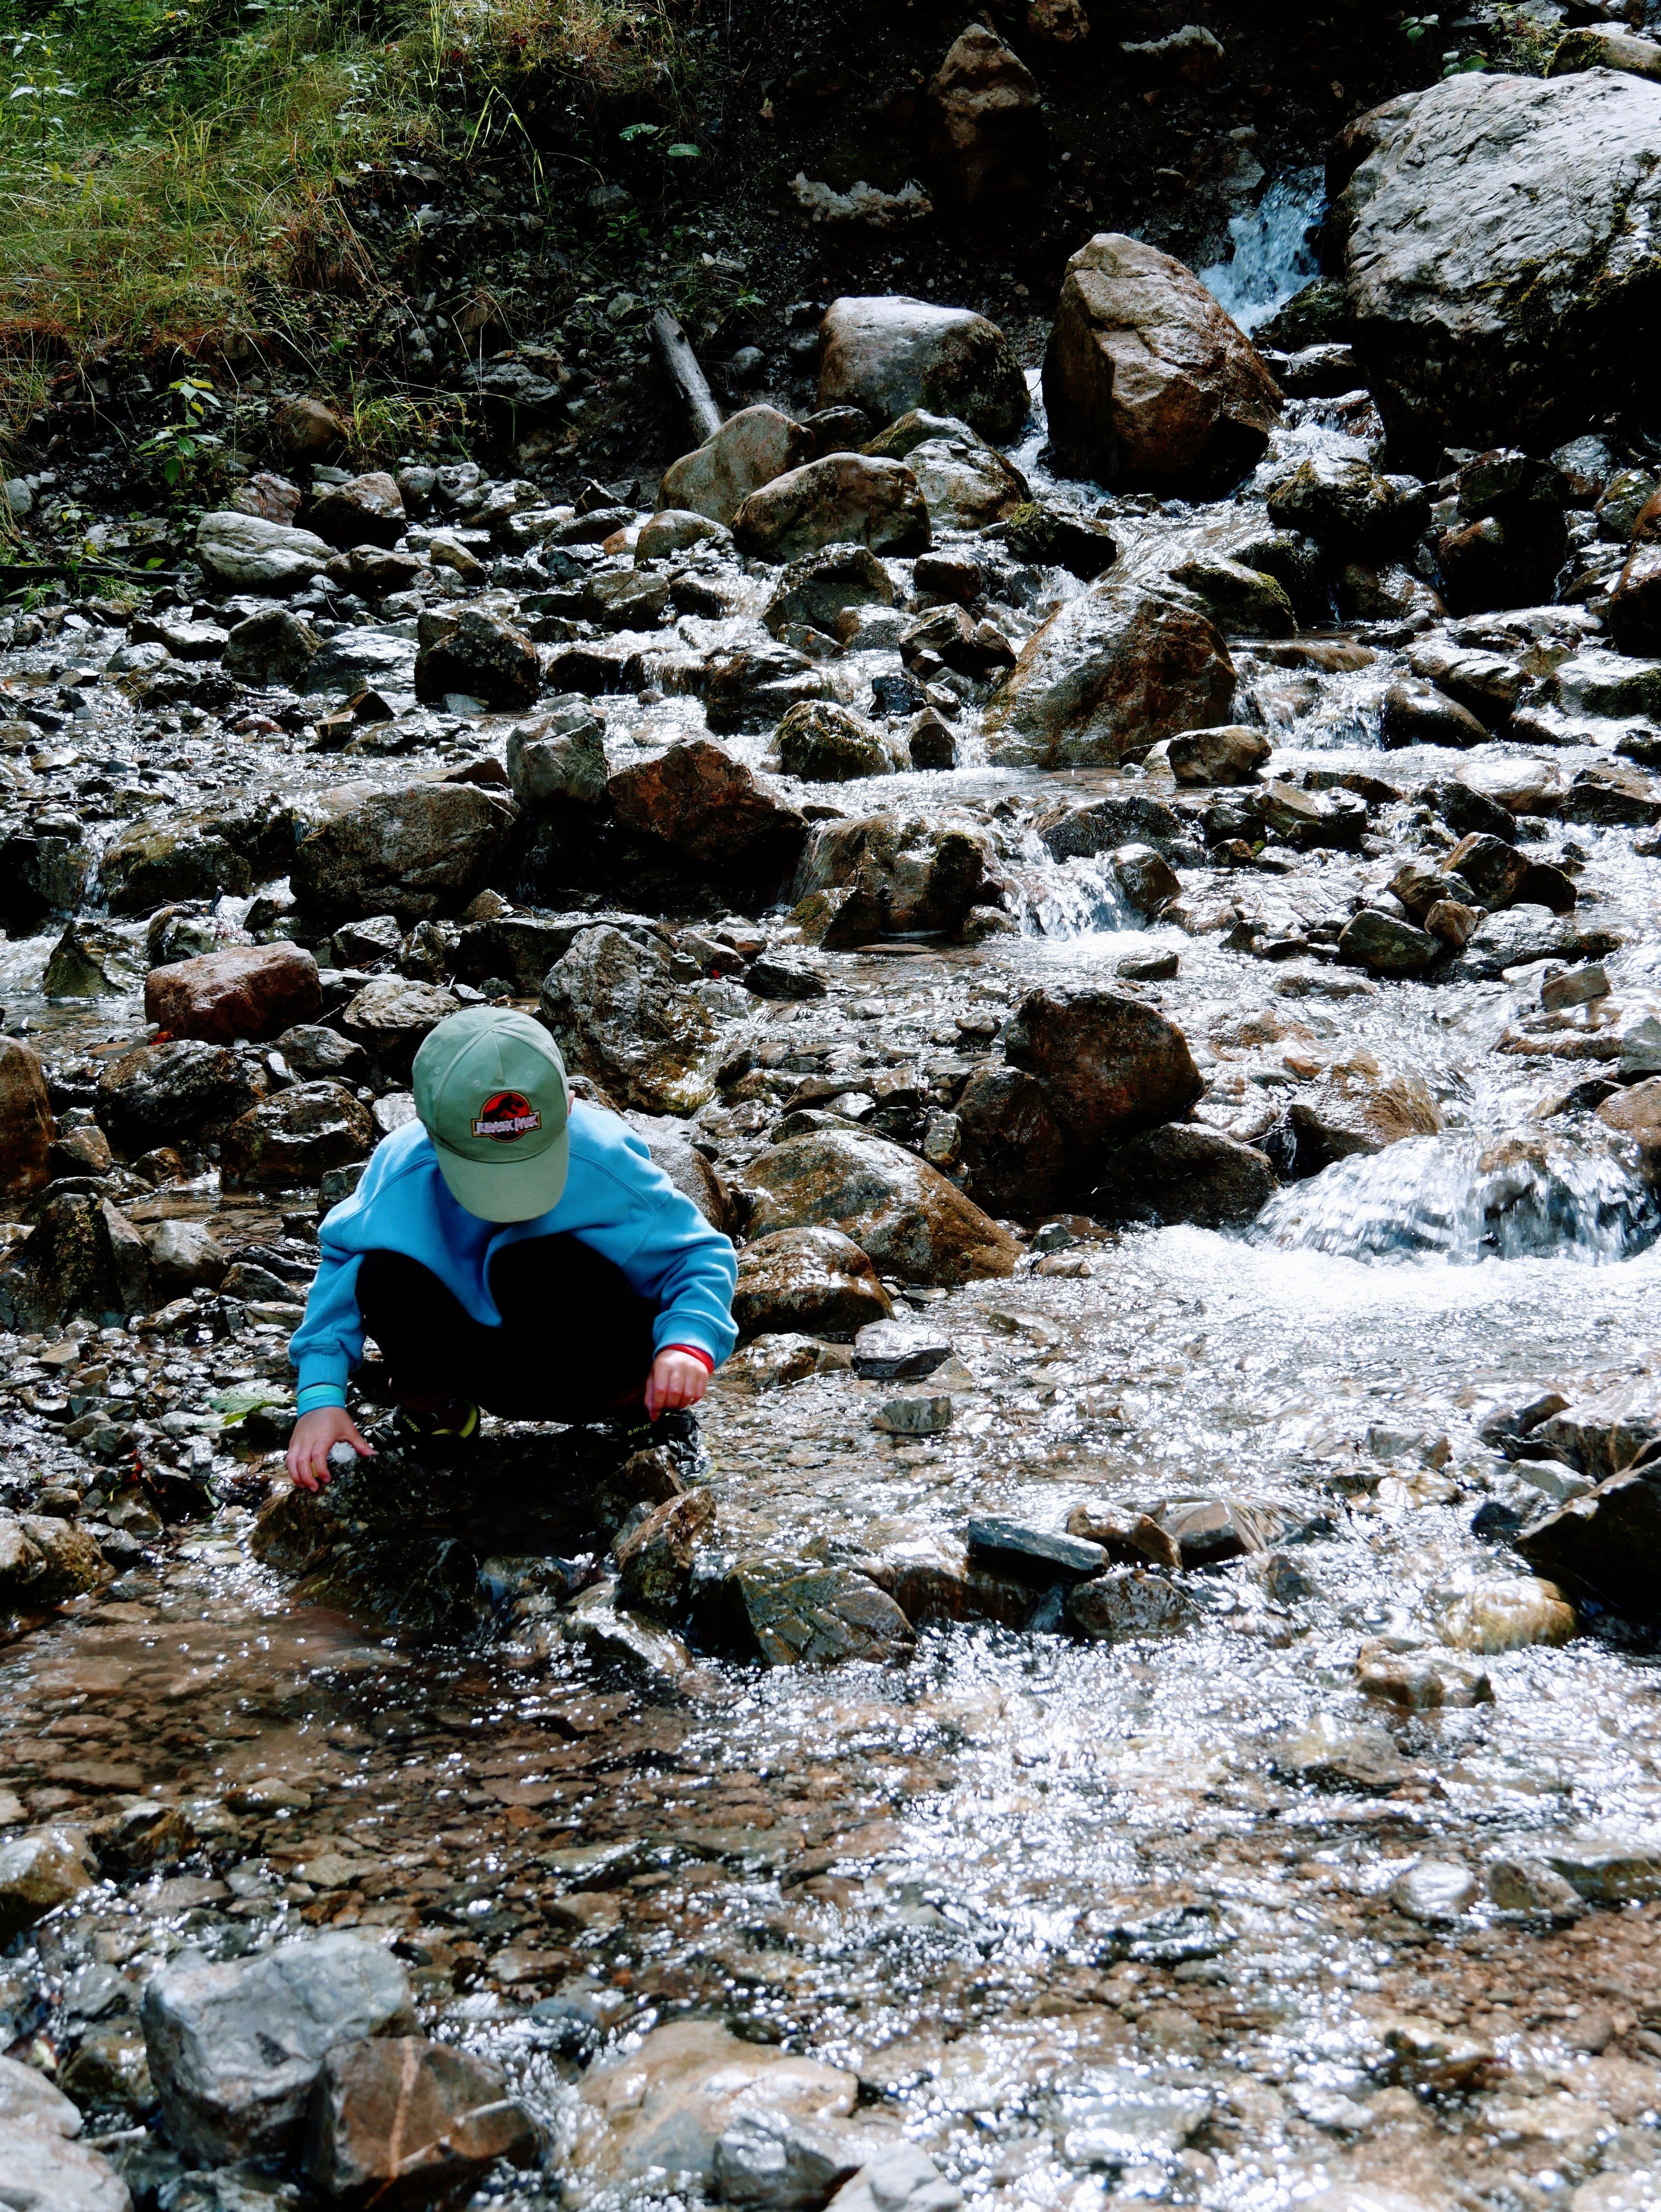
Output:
x=1458 y=1198
x=1273 y=253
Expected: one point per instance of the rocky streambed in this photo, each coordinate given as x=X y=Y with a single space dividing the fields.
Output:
x=1141 y=1685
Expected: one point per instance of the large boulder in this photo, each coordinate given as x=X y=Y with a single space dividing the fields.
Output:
x=276 y=646
x=234 y=2049
x=822 y=742
x=416 y=850
x=882 y=874
x=748 y=451
x=620 y=1020
x=559 y=755
x=966 y=485
x=846 y=498
x=366 y=510
x=25 y=1120
x=1111 y=673
x=1348 y=505
x=296 y=1138
x=907 y=1218
x=155 y=1094
x=1109 y=1065
x=157 y=863
x=890 y=355
x=1606 y=1544
x=393 y=1016
x=1147 y=380
x=476 y=655
x=254 y=991
x=1496 y=238
x=822 y=587
x=1012 y=1146
x=1354 y=1108
x=245 y=553
x=1186 y=1172
x=711 y=807
x=986 y=138
x=815 y=1280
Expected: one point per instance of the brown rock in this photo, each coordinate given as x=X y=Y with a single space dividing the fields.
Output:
x=1012 y=1146
x=815 y=1280
x=655 y=1561
x=821 y=586
x=1633 y=609
x=393 y=1017
x=1109 y=1065
x=367 y=511
x=478 y=655
x=296 y=1137
x=987 y=130
x=1227 y=755
x=416 y=850
x=1111 y=673
x=305 y=429
x=253 y=991
x=620 y=1020
x=1057 y=23
x=749 y=450
x=1186 y=1172
x=819 y=742
x=1130 y=1602
x=846 y=498
x=398 y=2121
x=882 y=873
x=1357 y=1110
x=1636 y=1112
x=889 y=355
x=909 y=1219
x=1147 y=380
x=711 y=807
x=25 y=1120
x=786 y=1615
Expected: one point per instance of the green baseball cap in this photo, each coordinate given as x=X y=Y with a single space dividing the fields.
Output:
x=489 y=1088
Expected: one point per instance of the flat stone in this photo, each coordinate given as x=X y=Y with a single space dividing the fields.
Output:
x=899 y=1351
x=1046 y=1554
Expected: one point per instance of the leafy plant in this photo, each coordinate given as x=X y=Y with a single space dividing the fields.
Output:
x=1415 y=28
x=178 y=450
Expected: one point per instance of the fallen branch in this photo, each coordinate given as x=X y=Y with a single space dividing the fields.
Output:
x=686 y=380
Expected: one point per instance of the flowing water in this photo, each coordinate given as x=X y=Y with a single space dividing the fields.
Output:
x=1087 y=1921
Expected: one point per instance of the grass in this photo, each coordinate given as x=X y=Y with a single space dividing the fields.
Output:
x=174 y=173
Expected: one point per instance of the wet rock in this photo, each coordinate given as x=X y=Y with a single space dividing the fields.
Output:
x=978 y=650
x=1420 y=1681
x=688 y=1170
x=1523 y=934
x=889 y=1350
x=42 y=875
x=44 y=1561
x=780 y=975
x=25 y=1120
x=914 y=1416
x=1634 y=609
x=987 y=140
x=479 y=655
x=1506 y=1616
x=1109 y=1066
x=891 y=354
x=296 y=1137
x=1052 y=536
x=153 y=864
x=778 y=2162
x=814 y=1280
x=1611 y=795
x=1385 y=945
x=1041 y=1555
x=1130 y=1602
x=1106 y=824
x=1420 y=714
x=966 y=486
x=252 y=991
x=786 y=1615
x=245 y=553
x=823 y=742
x=823 y=586
x=39 y=1872
x=1603 y=1545
x=1192 y=55
x=400 y=2121
x=655 y=1561
x=846 y=498
x=1606 y=1866
x=83 y=1258
x=1467 y=207
x=1355 y=1109
x=273 y=647
x=1231 y=754
x=905 y=2179
x=751 y=688
x=667 y=2103
x=1242 y=601
x=709 y=807
x=619 y=1019
x=749 y=450
x=1105 y=678
x=1329 y=1756
x=416 y=850
x=1434 y=1891
x=645 y=1478
x=674 y=530
x=1014 y=1150
x=45 y=2174
x=1636 y=1112
x=885 y=874
x=908 y=1218
x=560 y=756
x=28 y=2100
x=391 y=1018
x=1519 y=1882
x=234 y=2049
x=1147 y=380
x=141 y=1836
x=1348 y=505
x=1187 y=1172
x=366 y=510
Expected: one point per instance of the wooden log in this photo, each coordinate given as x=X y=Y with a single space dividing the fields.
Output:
x=686 y=379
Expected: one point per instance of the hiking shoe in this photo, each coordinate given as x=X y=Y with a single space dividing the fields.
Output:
x=453 y=1426
x=633 y=1432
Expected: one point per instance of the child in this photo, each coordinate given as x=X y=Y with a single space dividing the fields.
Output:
x=510 y=1250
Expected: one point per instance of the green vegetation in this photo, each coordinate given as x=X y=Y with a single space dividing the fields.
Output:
x=174 y=171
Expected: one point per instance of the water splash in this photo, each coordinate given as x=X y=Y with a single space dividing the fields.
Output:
x=1461 y=1200
x=1273 y=253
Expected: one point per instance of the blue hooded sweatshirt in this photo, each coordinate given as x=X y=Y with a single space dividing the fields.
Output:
x=616 y=1198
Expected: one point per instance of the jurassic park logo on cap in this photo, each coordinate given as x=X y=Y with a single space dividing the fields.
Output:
x=507 y=1116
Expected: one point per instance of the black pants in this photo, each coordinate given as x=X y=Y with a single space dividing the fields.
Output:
x=575 y=1345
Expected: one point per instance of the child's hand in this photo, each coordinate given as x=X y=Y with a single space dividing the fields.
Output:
x=676 y=1379
x=315 y=1436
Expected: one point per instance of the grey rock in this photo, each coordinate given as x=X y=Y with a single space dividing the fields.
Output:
x=889 y=354
x=246 y=553
x=40 y=2172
